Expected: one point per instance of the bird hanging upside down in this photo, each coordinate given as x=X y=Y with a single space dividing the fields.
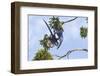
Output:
x=56 y=38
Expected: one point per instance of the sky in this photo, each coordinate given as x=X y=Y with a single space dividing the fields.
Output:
x=71 y=36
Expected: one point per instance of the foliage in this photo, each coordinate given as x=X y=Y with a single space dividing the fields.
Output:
x=46 y=43
x=55 y=23
x=83 y=32
x=43 y=54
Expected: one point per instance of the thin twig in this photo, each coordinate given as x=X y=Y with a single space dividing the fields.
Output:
x=70 y=20
x=69 y=52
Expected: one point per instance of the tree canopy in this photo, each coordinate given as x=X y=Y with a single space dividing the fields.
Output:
x=43 y=54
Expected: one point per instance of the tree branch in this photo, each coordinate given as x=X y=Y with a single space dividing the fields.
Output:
x=71 y=20
x=69 y=52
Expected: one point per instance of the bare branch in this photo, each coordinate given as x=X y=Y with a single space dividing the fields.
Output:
x=70 y=20
x=69 y=52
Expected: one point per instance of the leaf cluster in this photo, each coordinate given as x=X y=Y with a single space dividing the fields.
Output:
x=83 y=32
x=55 y=23
x=43 y=54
